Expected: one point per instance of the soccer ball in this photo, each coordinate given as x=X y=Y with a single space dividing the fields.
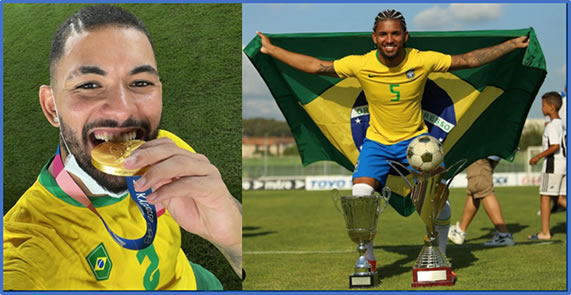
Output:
x=425 y=153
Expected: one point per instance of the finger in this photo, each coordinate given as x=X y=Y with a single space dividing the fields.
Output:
x=134 y=159
x=176 y=166
x=167 y=192
x=187 y=187
x=156 y=142
x=155 y=152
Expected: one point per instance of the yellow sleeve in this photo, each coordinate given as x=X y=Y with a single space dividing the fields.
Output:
x=438 y=62
x=18 y=280
x=21 y=270
x=349 y=65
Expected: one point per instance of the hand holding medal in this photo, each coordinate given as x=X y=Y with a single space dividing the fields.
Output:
x=185 y=183
x=193 y=192
x=108 y=157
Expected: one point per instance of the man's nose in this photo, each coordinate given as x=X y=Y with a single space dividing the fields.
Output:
x=119 y=104
x=389 y=38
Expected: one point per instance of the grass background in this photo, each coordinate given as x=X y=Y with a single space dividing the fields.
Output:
x=198 y=49
x=296 y=240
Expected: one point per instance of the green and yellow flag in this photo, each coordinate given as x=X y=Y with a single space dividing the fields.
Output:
x=476 y=112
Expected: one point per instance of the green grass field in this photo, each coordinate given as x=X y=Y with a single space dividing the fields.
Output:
x=296 y=240
x=198 y=51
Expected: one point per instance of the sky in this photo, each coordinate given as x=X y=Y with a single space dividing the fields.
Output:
x=548 y=20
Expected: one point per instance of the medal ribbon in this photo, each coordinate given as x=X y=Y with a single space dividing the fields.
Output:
x=148 y=211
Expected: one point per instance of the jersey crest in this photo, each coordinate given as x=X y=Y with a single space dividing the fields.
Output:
x=100 y=262
x=410 y=74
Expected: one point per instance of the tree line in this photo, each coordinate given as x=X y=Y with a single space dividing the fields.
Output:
x=260 y=127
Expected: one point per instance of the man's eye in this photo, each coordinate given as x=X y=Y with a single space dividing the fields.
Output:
x=141 y=84
x=89 y=85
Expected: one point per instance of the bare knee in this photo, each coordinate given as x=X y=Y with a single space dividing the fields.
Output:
x=367 y=180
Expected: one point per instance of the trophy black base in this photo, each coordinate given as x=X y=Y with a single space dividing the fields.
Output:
x=363 y=280
x=428 y=277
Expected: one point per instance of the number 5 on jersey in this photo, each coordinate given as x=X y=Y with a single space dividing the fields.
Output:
x=396 y=92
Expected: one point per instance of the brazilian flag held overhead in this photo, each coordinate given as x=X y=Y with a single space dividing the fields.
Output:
x=476 y=112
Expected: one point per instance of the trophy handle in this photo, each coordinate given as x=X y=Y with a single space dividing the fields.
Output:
x=385 y=195
x=441 y=170
x=457 y=170
x=335 y=197
x=414 y=174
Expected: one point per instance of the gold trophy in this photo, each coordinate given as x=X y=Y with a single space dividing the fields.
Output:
x=361 y=214
x=429 y=196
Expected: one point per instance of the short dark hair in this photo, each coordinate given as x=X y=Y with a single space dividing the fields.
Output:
x=390 y=14
x=90 y=18
x=553 y=98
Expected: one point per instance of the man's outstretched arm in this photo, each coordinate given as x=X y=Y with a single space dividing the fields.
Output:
x=483 y=56
x=298 y=61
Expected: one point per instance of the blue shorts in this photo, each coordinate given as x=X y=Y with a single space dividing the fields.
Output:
x=373 y=158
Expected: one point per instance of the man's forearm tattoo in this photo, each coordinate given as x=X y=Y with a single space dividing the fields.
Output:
x=492 y=53
x=326 y=69
x=486 y=55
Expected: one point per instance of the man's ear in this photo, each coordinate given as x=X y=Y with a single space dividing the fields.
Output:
x=48 y=105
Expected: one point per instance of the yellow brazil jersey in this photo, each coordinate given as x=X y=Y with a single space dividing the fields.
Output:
x=394 y=94
x=52 y=242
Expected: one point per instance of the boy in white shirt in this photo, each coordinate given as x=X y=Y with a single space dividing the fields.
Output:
x=553 y=177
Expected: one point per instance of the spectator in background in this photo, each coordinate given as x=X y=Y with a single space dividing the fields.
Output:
x=481 y=189
x=555 y=208
x=553 y=177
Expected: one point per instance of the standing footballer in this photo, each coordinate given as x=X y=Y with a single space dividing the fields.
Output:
x=394 y=98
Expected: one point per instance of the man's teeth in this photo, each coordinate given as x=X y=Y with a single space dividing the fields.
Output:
x=116 y=137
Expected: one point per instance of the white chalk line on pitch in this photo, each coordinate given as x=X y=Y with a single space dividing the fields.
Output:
x=299 y=252
x=294 y=252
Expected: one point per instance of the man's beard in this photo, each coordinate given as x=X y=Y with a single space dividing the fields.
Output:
x=388 y=57
x=115 y=184
x=391 y=57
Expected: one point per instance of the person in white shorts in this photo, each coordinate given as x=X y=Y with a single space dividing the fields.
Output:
x=555 y=208
x=553 y=177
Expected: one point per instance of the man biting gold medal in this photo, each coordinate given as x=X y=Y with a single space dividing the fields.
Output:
x=76 y=228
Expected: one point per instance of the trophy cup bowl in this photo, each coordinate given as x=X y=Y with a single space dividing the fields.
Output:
x=361 y=214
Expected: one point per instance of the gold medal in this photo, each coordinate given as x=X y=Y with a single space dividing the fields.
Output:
x=108 y=157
